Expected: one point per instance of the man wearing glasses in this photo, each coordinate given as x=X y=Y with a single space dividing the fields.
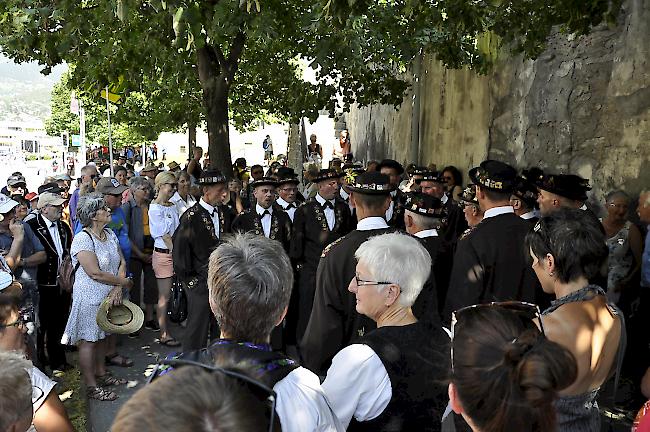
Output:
x=56 y=238
x=88 y=176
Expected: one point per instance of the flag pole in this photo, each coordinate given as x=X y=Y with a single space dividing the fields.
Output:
x=110 y=141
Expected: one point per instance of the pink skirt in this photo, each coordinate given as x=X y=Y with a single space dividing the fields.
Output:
x=162 y=264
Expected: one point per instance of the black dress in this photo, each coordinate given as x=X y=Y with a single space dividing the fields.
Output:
x=334 y=321
x=491 y=264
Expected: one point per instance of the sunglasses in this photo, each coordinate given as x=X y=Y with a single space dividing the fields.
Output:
x=165 y=366
x=526 y=310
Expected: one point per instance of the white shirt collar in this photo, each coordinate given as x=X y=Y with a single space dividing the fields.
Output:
x=427 y=233
x=444 y=198
x=260 y=210
x=584 y=207
x=529 y=215
x=371 y=223
x=282 y=202
x=48 y=222
x=344 y=194
x=206 y=206
x=496 y=211
x=322 y=200
x=393 y=193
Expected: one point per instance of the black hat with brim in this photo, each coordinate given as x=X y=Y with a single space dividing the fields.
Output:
x=565 y=185
x=525 y=191
x=370 y=183
x=211 y=177
x=391 y=163
x=430 y=176
x=469 y=195
x=494 y=175
x=425 y=205
x=287 y=180
x=327 y=174
x=264 y=181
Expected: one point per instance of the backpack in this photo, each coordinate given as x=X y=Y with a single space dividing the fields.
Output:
x=66 y=273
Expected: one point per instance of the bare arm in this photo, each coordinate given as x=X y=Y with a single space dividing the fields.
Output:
x=34 y=259
x=168 y=241
x=52 y=416
x=88 y=261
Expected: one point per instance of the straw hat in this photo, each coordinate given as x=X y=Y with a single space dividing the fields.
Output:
x=126 y=318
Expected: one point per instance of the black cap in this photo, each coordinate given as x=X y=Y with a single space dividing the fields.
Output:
x=50 y=187
x=494 y=175
x=327 y=174
x=566 y=185
x=264 y=181
x=371 y=183
x=211 y=177
x=469 y=195
x=286 y=175
x=525 y=190
x=391 y=163
x=425 y=205
x=431 y=176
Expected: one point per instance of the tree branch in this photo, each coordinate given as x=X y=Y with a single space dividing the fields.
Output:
x=236 y=49
x=216 y=49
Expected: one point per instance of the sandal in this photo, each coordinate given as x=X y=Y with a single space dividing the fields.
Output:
x=100 y=394
x=170 y=342
x=109 y=380
x=111 y=360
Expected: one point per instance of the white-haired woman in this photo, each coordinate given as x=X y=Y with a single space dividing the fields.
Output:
x=101 y=273
x=393 y=377
x=163 y=221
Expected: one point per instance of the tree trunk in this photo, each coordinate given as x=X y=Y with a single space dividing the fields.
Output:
x=191 y=140
x=215 y=86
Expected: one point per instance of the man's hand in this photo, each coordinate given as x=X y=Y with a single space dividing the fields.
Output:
x=17 y=229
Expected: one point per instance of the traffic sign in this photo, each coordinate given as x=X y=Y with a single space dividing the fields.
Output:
x=76 y=140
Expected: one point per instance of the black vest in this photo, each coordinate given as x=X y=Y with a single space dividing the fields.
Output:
x=417 y=362
x=269 y=367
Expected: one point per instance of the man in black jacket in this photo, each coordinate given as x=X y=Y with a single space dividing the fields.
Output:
x=490 y=263
x=317 y=223
x=423 y=217
x=201 y=230
x=56 y=237
x=334 y=321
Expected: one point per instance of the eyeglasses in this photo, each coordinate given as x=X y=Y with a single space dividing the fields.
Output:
x=361 y=282
x=448 y=178
x=527 y=310
x=268 y=392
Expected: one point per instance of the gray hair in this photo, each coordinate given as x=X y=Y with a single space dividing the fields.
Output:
x=250 y=279
x=138 y=182
x=15 y=389
x=617 y=194
x=185 y=175
x=88 y=206
x=425 y=222
x=397 y=258
x=88 y=168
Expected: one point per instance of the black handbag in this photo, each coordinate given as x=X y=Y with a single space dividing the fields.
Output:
x=177 y=304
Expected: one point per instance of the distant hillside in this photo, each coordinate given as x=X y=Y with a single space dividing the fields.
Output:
x=24 y=91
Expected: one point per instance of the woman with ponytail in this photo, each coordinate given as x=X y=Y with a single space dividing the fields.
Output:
x=505 y=373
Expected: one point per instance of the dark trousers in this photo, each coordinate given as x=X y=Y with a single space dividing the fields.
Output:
x=305 y=293
x=201 y=323
x=150 y=294
x=53 y=315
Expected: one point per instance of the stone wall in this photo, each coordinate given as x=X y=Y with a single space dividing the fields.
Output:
x=583 y=106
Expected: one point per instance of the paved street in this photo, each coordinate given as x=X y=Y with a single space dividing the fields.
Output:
x=144 y=351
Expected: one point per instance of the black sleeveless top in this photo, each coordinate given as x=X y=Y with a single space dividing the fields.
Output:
x=416 y=359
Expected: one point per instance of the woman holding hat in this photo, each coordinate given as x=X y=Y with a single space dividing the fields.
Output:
x=100 y=273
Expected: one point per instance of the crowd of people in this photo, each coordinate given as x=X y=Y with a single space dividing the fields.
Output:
x=363 y=297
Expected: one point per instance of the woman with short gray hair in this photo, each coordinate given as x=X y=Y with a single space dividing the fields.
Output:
x=101 y=274
x=16 y=394
x=393 y=375
x=250 y=279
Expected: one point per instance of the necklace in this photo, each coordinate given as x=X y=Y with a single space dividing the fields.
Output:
x=100 y=237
